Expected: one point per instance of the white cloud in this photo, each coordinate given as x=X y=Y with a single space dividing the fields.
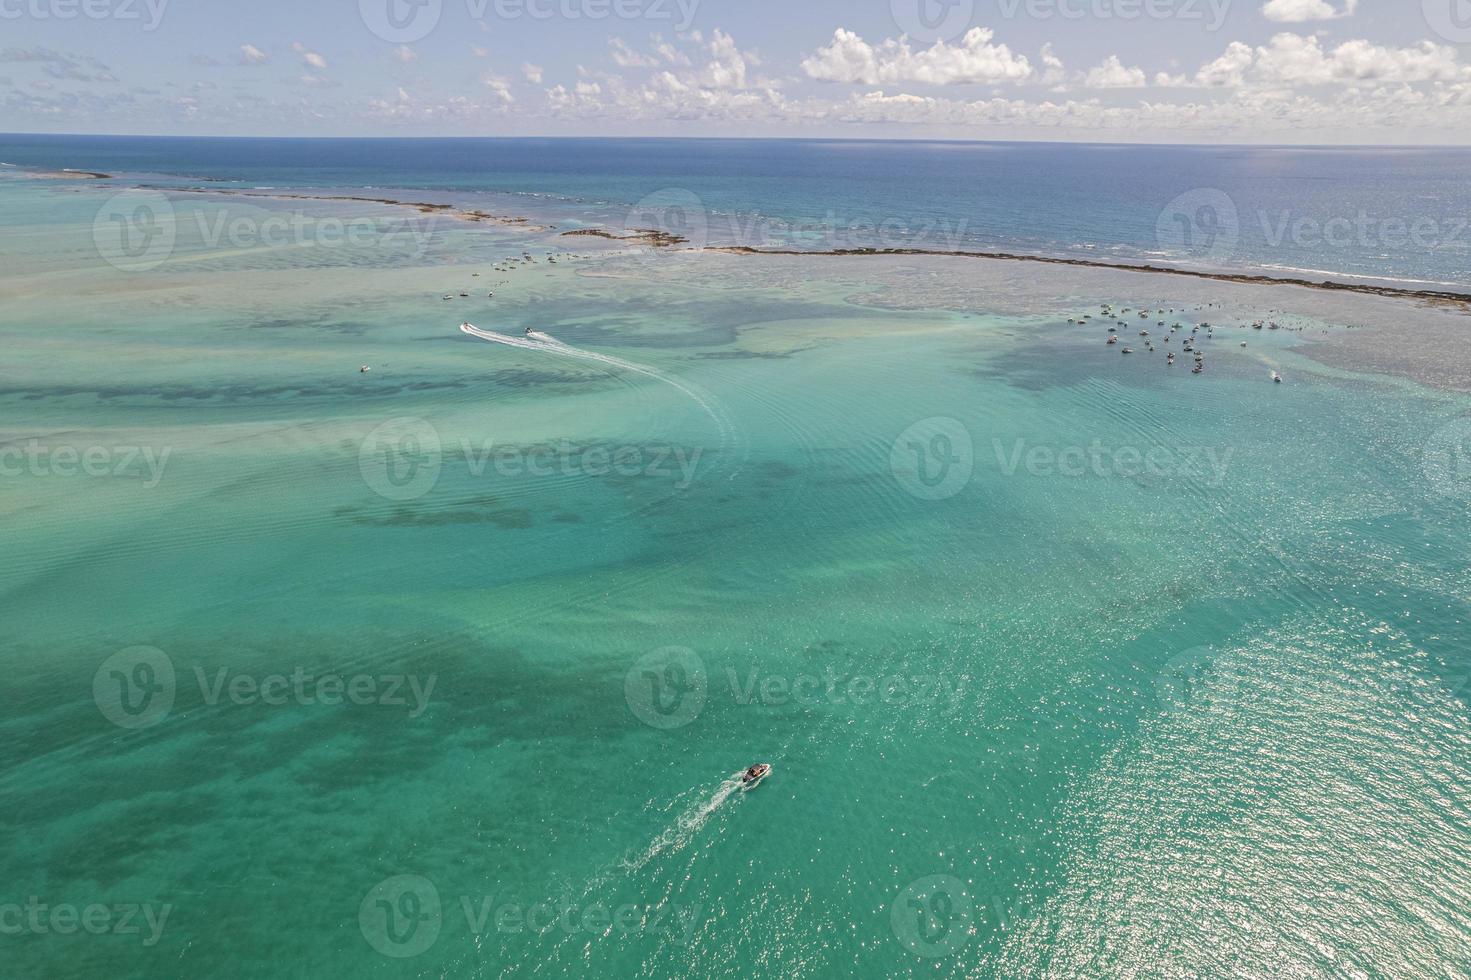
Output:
x=1229 y=69
x=626 y=57
x=1290 y=60
x=1300 y=11
x=849 y=58
x=252 y=55
x=1055 y=73
x=405 y=55
x=532 y=73
x=669 y=53
x=478 y=51
x=500 y=86
x=727 y=67
x=309 y=57
x=1114 y=74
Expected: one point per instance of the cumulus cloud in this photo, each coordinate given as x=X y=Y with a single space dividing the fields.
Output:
x=252 y=55
x=310 y=58
x=974 y=59
x=499 y=86
x=626 y=57
x=532 y=73
x=727 y=66
x=1301 y=11
x=669 y=53
x=1297 y=60
x=1114 y=74
x=1053 y=71
x=404 y=55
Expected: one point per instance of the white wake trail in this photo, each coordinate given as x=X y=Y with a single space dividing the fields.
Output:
x=536 y=340
x=686 y=825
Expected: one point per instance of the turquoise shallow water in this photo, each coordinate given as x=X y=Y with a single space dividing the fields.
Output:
x=1068 y=663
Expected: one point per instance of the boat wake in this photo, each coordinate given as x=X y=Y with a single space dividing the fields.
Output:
x=536 y=340
x=687 y=824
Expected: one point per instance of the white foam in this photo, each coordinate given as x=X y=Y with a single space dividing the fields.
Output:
x=536 y=340
x=687 y=824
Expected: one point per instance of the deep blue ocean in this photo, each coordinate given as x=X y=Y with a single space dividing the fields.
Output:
x=1401 y=215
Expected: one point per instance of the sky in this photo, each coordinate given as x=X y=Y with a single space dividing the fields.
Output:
x=1172 y=71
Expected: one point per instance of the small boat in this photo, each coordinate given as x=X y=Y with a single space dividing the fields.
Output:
x=1276 y=378
x=752 y=777
x=1197 y=369
x=1243 y=343
x=1113 y=339
x=364 y=369
x=1127 y=350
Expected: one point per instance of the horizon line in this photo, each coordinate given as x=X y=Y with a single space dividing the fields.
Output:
x=769 y=139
